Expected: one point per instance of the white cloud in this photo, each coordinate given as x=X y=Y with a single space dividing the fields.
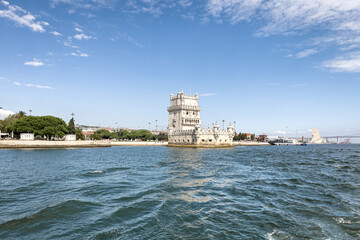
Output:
x=83 y=36
x=55 y=33
x=91 y=5
x=68 y=43
x=185 y=3
x=306 y=53
x=79 y=54
x=78 y=29
x=3 y=78
x=32 y=85
x=281 y=132
x=234 y=10
x=5 y=113
x=207 y=94
x=339 y=22
x=35 y=63
x=22 y=17
x=350 y=63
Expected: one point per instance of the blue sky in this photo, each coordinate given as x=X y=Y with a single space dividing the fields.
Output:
x=265 y=64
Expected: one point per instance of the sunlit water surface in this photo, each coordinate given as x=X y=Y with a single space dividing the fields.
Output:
x=272 y=192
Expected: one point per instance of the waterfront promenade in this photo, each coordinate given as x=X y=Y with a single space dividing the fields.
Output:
x=90 y=144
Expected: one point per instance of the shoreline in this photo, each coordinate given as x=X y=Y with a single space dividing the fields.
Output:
x=19 y=144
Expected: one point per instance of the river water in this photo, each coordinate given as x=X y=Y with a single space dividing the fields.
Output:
x=271 y=192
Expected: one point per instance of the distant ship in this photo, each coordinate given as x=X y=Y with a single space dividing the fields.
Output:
x=284 y=141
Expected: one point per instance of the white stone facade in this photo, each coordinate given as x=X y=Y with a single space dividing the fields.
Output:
x=185 y=125
x=316 y=138
x=27 y=136
x=70 y=137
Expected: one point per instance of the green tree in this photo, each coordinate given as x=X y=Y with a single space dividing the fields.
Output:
x=162 y=136
x=114 y=135
x=20 y=114
x=79 y=134
x=49 y=126
x=7 y=122
x=71 y=126
x=95 y=136
x=103 y=133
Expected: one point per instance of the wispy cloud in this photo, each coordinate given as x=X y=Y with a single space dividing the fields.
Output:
x=55 y=33
x=78 y=29
x=22 y=17
x=81 y=4
x=35 y=62
x=188 y=16
x=82 y=36
x=207 y=94
x=306 y=53
x=235 y=10
x=79 y=54
x=32 y=85
x=339 y=20
x=128 y=38
x=350 y=63
x=68 y=43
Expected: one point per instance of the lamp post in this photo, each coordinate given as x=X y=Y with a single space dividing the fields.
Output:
x=156 y=125
x=149 y=125
x=30 y=111
x=223 y=124
x=235 y=126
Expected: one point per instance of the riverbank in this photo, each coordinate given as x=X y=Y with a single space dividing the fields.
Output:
x=250 y=143
x=90 y=144
x=52 y=144
x=129 y=143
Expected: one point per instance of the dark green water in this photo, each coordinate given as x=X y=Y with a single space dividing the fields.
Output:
x=274 y=192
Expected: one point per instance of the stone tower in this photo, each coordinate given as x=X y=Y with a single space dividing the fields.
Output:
x=185 y=125
x=184 y=112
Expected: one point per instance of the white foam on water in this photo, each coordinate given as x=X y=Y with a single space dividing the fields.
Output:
x=269 y=236
x=97 y=171
x=340 y=220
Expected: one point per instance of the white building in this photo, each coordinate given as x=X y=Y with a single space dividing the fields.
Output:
x=185 y=125
x=70 y=137
x=316 y=138
x=27 y=136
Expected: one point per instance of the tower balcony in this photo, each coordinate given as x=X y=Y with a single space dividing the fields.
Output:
x=183 y=107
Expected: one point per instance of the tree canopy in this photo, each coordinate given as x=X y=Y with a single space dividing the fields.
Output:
x=141 y=134
x=40 y=125
x=71 y=126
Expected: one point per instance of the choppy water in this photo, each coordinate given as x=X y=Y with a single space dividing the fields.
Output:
x=274 y=192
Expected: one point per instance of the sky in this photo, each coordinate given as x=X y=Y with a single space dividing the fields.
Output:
x=271 y=66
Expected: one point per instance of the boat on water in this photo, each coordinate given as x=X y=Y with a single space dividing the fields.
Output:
x=284 y=141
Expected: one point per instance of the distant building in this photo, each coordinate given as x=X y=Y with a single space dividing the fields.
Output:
x=316 y=136
x=70 y=137
x=185 y=129
x=27 y=136
x=248 y=136
x=262 y=138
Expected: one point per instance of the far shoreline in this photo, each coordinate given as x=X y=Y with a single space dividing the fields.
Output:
x=39 y=144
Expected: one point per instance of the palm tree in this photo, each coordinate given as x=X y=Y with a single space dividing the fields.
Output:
x=20 y=114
